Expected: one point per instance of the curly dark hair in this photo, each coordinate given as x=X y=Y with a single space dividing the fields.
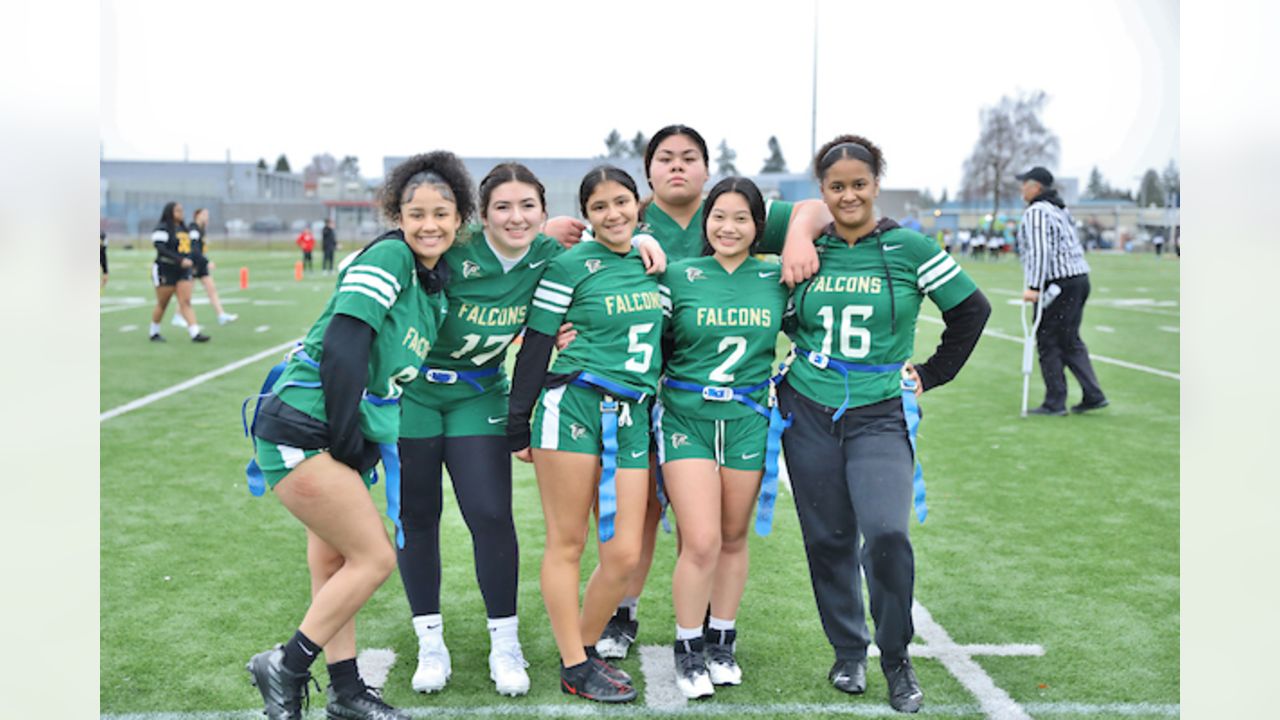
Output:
x=439 y=168
x=848 y=146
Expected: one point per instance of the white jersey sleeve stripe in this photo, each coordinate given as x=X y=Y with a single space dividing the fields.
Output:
x=557 y=287
x=159 y=236
x=557 y=309
x=375 y=270
x=944 y=279
x=366 y=291
x=371 y=281
x=939 y=269
x=932 y=261
x=552 y=297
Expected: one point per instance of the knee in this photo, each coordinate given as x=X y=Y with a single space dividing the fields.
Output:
x=620 y=561
x=700 y=547
x=733 y=544
x=890 y=559
x=382 y=562
x=563 y=550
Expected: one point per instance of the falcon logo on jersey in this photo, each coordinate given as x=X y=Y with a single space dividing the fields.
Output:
x=678 y=439
x=576 y=431
x=694 y=274
x=469 y=268
x=593 y=265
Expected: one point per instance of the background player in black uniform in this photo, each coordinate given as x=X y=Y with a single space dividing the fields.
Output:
x=102 y=258
x=172 y=271
x=198 y=230
x=329 y=243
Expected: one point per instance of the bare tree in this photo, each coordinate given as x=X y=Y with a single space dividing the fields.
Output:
x=1013 y=138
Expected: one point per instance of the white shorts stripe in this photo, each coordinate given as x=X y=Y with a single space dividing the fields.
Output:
x=155 y=274
x=291 y=455
x=550 y=438
x=366 y=291
x=375 y=270
x=555 y=286
x=657 y=432
x=944 y=279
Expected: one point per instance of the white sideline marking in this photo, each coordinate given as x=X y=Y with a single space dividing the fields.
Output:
x=515 y=708
x=995 y=702
x=1098 y=358
x=929 y=651
x=188 y=384
x=1104 y=328
x=658 y=666
x=1170 y=328
x=262 y=328
x=128 y=328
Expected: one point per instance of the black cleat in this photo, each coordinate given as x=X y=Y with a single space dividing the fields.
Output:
x=618 y=635
x=158 y=338
x=1042 y=410
x=616 y=673
x=721 y=663
x=200 y=337
x=283 y=691
x=1086 y=406
x=849 y=676
x=368 y=705
x=591 y=682
x=904 y=692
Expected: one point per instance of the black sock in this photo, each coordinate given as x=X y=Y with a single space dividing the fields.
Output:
x=299 y=653
x=577 y=671
x=345 y=678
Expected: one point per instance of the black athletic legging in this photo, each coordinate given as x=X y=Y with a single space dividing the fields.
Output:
x=480 y=468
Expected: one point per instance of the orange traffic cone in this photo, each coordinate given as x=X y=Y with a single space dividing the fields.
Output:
x=244 y=278
x=297 y=270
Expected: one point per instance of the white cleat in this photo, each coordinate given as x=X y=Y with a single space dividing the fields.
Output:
x=178 y=320
x=507 y=670
x=724 y=674
x=434 y=667
x=697 y=685
x=225 y=318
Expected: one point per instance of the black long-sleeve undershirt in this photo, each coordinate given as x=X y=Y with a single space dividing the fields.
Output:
x=964 y=326
x=344 y=372
x=526 y=382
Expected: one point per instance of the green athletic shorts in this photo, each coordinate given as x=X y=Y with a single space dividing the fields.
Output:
x=568 y=418
x=476 y=413
x=277 y=461
x=737 y=443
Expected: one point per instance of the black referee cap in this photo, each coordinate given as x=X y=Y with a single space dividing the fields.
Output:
x=1039 y=174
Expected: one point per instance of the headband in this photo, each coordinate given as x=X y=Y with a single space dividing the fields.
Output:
x=851 y=149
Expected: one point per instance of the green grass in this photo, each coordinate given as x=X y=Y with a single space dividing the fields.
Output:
x=1056 y=531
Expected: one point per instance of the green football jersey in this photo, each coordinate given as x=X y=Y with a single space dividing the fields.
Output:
x=844 y=311
x=487 y=309
x=725 y=328
x=614 y=307
x=379 y=287
x=686 y=242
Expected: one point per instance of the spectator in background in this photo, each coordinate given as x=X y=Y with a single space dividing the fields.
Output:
x=102 y=258
x=978 y=244
x=1053 y=263
x=307 y=242
x=1158 y=242
x=329 y=243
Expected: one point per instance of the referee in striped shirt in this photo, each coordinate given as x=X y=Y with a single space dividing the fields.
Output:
x=1053 y=263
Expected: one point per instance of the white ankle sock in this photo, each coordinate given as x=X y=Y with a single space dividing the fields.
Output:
x=684 y=633
x=504 y=631
x=155 y=328
x=429 y=627
x=194 y=330
x=720 y=623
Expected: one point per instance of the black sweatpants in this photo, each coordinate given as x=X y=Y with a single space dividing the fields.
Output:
x=480 y=468
x=854 y=477
x=328 y=259
x=1058 y=343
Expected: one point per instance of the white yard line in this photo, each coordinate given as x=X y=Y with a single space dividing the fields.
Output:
x=995 y=702
x=582 y=709
x=197 y=380
x=1096 y=358
x=657 y=664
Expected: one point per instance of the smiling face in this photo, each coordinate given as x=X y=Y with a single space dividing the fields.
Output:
x=514 y=216
x=678 y=171
x=849 y=190
x=730 y=227
x=612 y=210
x=430 y=222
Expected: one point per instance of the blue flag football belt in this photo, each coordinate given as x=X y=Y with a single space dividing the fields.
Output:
x=773 y=444
x=910 y=409
x=389 y=451
x=449 y=377
x=609 y=444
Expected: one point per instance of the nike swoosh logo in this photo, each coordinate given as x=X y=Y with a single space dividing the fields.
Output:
x=308 y=652
x=638 y=453
x=890 y=248
x=534 y=265
x=767 y=274
x=495 y=420
x=752 y=455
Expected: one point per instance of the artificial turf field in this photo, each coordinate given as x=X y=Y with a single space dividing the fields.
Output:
x=1046 y=573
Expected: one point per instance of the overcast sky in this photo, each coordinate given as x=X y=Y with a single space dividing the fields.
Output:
x=505 y=78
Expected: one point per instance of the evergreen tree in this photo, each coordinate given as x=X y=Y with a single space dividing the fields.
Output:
x=724 y=161
x=262 y=164
x=282 y=164
x=775 y=162
x=1151 y=191
x=638 y=144
x=614 y=146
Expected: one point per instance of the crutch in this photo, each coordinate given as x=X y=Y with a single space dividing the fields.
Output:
x=1029 y=344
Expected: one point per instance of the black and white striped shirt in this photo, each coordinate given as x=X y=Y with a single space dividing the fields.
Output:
x=1048 y=245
